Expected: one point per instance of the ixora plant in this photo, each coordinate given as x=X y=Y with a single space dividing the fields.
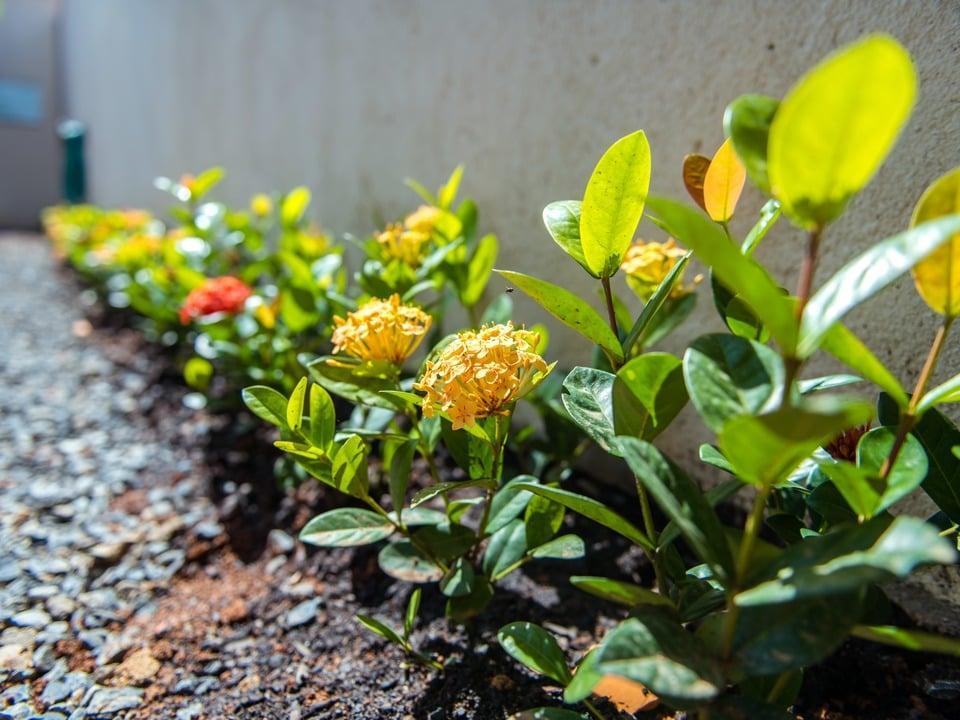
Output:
x=463 y=396
x=735 y=617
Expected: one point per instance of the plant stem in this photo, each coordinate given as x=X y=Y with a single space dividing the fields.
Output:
x=611 y=312
x=750 y=532
x=778 y=687
x=908 y=418
x=405 y=531
x=791 y=363
x=474 y=315
x=949 y=531
x=593 y=710
x=650 y=529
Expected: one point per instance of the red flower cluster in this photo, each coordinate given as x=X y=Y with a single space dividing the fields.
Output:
x=221 y=294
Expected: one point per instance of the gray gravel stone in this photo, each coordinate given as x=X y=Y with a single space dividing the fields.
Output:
x=302 y=614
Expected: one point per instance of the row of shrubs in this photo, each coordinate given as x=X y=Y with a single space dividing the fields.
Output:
x=460 y=496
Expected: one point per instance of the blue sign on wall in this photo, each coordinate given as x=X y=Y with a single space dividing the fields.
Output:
x=20 y=102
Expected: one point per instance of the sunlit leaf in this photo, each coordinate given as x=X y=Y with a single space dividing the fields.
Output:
x=937 y=277
x=536 y=648
x=747 y=123
x=346 y=527
x=562 y=219
x=723 y=183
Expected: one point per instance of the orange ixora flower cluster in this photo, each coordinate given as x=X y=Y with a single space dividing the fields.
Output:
x=646 y=264
x=225 y=294
x=403 y=245
x=481 y=373
x=381 y=330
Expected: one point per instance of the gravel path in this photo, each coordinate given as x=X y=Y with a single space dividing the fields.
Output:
x=96 y=498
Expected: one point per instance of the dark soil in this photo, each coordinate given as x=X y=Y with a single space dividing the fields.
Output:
x=228 y=649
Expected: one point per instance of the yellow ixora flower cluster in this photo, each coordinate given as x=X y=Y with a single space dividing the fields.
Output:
x=481 y=373
x=407 y=246
x=423 y=219
x=646 y=264
x=381 y=330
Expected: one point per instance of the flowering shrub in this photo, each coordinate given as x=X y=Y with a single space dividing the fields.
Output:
x=224 y=294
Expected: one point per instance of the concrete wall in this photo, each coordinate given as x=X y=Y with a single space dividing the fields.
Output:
x=350 y=97
x=29 y=151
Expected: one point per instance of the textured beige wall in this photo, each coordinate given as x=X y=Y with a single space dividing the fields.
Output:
x=350 y=97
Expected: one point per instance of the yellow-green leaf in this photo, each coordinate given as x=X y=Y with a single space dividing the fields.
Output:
x=723 y=183
x=836 y=126
x=938 y=276
x=613 y=203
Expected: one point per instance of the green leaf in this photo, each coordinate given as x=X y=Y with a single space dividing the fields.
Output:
x=867 y=274
x=294 y=206
x=349 y=470
x=765 y=449
x=543 y=519
x=908 y=639
x=585 y=679
x=592 y=509
x=471 y=453
x=711 y=456
x=430 y=492
x=742 y=275
x=479 y=269
x=849 y=558
x=861 y=484
x=565 y=547
x=267 y=404
x=769 y=214
x=379 y=628
x=413 y=608
x=562 y=219
x=618 y=591
x=295 y=405
x=655 y=381
x=834 y=129
x=938 y=435
x=664 y=657
x=613 y=203
x=448 y=193
x=947 y=392
x=776 y=638
x=414 y=517
x=589 y=401
x=674 y=312
x=446 y=541
x=655 y=304
x=198 y=372
x=400 y=463
x=460 y=609
x=508 y=503
x=850 y=350
x=401 y=560
x=346 y=527
x=359 y=382
x=728 y=376
x=507 y=545
x=569 y=309
x=826 y=382
x=323 y=418
x=205 y=181
x=421 y=190
x=714 y=496
x=683 y=502
x=536 y=649
x=747 y=123
x=458 y=580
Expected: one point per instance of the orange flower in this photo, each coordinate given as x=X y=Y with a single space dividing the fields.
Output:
x=225 y=294
x=381 y=330
x=481 y=373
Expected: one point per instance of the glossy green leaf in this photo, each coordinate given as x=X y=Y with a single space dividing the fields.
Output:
x=683 y=502
x=562 y=219
x=323 y=418
x=535 y=648
x=479 y=269
x=588 y=398
x=569 y=309
x=867 y=274
x=401 y=461
x=458 y=580
x=826 y=382
x=655 y=381
x=655 y=304
x=764 y=449
x=543 y=519
x=908 y=639
x=379 y=628
x=295 y=405
x=359 y=382
x=508 y=503
x=565 y=547
x=846 y=347
x=747 y=123
x=664 y=657
x=769 y=214
x=592 y=509
x=401 y=560
x=938 y=435
x=728 y=375
x=834 y=129
x=448 y=193
x=619 y=591
x=346 y=527
x=861 y=484
x=744 y=276
x=460 y=609
x=711 y=456
x=850 y=558
x=446 y=541
x=349 y=470
x=947 y=392
x=413 y=608
x=613 y=203
x=506 y=546
x=267 y=404
x=443 y=488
